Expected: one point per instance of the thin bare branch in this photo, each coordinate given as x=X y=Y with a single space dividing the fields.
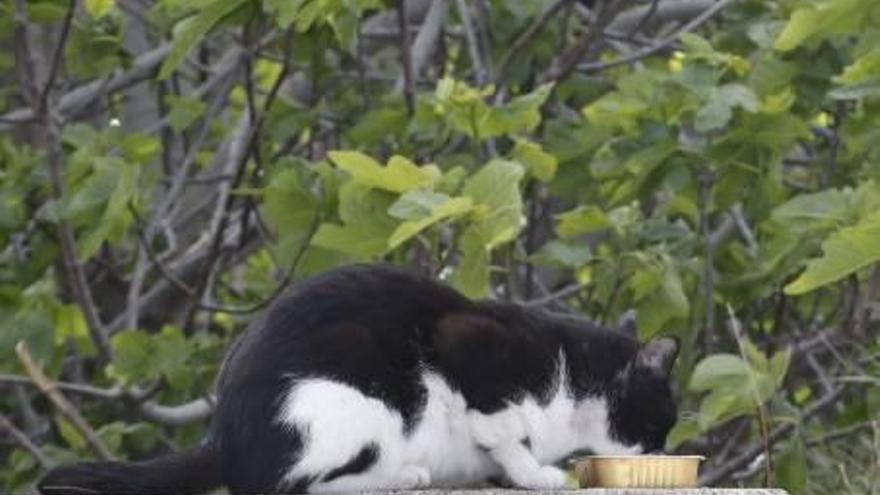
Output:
x=662 y=44
x=57 y=56
x=24 y=442
x=528 y=35
x=426 y=40
x=47 y=386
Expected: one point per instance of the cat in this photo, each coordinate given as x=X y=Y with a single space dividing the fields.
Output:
x=370 y=377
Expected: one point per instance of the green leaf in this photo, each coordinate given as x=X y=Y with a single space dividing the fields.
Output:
x=521 y=114
x=471 y=277
x=98 y=8
x=71 y=435
x=451 y=208
x=417 y=204
x=843 y=252
x=718 y=370
x=791 y=467
x=366 y=224
x=666 y=303
x=184 y=111
x=192 y=30
x=562 y=253
x=400 y=175
x=70 y=323
x=540 y=164
x=116 y=217
x=685 y=429
x=140 y=148
x=132 y=356
x=582 y=220
x=291 y=211
x=864 y=69
x=139 y=357
x=31 y=324
x=717 y=112
x=821 y=20
x=826 y=209
x=46 y=12
x=496 y=186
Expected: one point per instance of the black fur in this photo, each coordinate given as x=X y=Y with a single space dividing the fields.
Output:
x=376 y=328
x=364 y=459
x=184 y=473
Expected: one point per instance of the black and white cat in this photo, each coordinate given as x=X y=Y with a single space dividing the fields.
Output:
x=370 y=377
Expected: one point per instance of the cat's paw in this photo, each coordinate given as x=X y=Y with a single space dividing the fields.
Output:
x=548 y=477
x=414 y=477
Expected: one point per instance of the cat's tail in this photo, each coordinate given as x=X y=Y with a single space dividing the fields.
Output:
x=184 y=473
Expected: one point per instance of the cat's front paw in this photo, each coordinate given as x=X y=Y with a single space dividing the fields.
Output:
x=547 y=477
x=414 y=477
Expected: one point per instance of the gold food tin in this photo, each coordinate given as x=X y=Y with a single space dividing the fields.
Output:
x=638 y=471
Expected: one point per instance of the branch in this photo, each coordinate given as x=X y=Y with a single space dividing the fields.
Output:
x=178 y=415
x=480 y=71
x=288 y=277
x=406 y=57
x=659 y=45
x=60 y=402
x=563 y=293
x=56 y=57
x=528 y=35
x=426 y=40
x=24 y=442
x=76 y=388
x=564 y=65
x=171 y=196
x=633 y=20
x=76 y=277
x=727 y=469
x=183 y=414
x=143 y=68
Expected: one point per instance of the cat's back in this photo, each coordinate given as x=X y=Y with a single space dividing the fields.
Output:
x=364 y=294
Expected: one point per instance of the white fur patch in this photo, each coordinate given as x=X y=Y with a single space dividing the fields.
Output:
x=450 y=444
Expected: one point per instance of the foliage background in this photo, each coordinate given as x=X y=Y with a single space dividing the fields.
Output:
x=167 y=167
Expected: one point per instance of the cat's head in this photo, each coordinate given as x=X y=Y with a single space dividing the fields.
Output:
x=625 y=389
x=641 y=404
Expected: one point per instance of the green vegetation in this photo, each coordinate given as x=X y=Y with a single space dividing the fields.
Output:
x=168 y=167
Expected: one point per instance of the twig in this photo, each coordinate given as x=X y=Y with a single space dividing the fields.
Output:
x=409 y=92
x=528 y=35
x=564 y=293
x=841 y=433
x=76 y=388
x=736 y=330
x=181 y=414
x=643 y=21
x=242 y=145
x=744 y=230
x=143 y=68
x=76 y=276
x=288 y=277
x=480 y=72
x=724 y=471
x=24 y=442
x=426 y=40
x=154 y=260
x=56 y=57
x=564 y=65
x=60 y=402
x=707 y=180
x=863 y=309
x=659 y=45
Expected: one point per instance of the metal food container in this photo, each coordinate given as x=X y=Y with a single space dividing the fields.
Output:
x=638 y=471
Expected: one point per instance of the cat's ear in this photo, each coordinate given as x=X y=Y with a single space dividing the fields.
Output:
x=658 y=354
x=627 y=324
